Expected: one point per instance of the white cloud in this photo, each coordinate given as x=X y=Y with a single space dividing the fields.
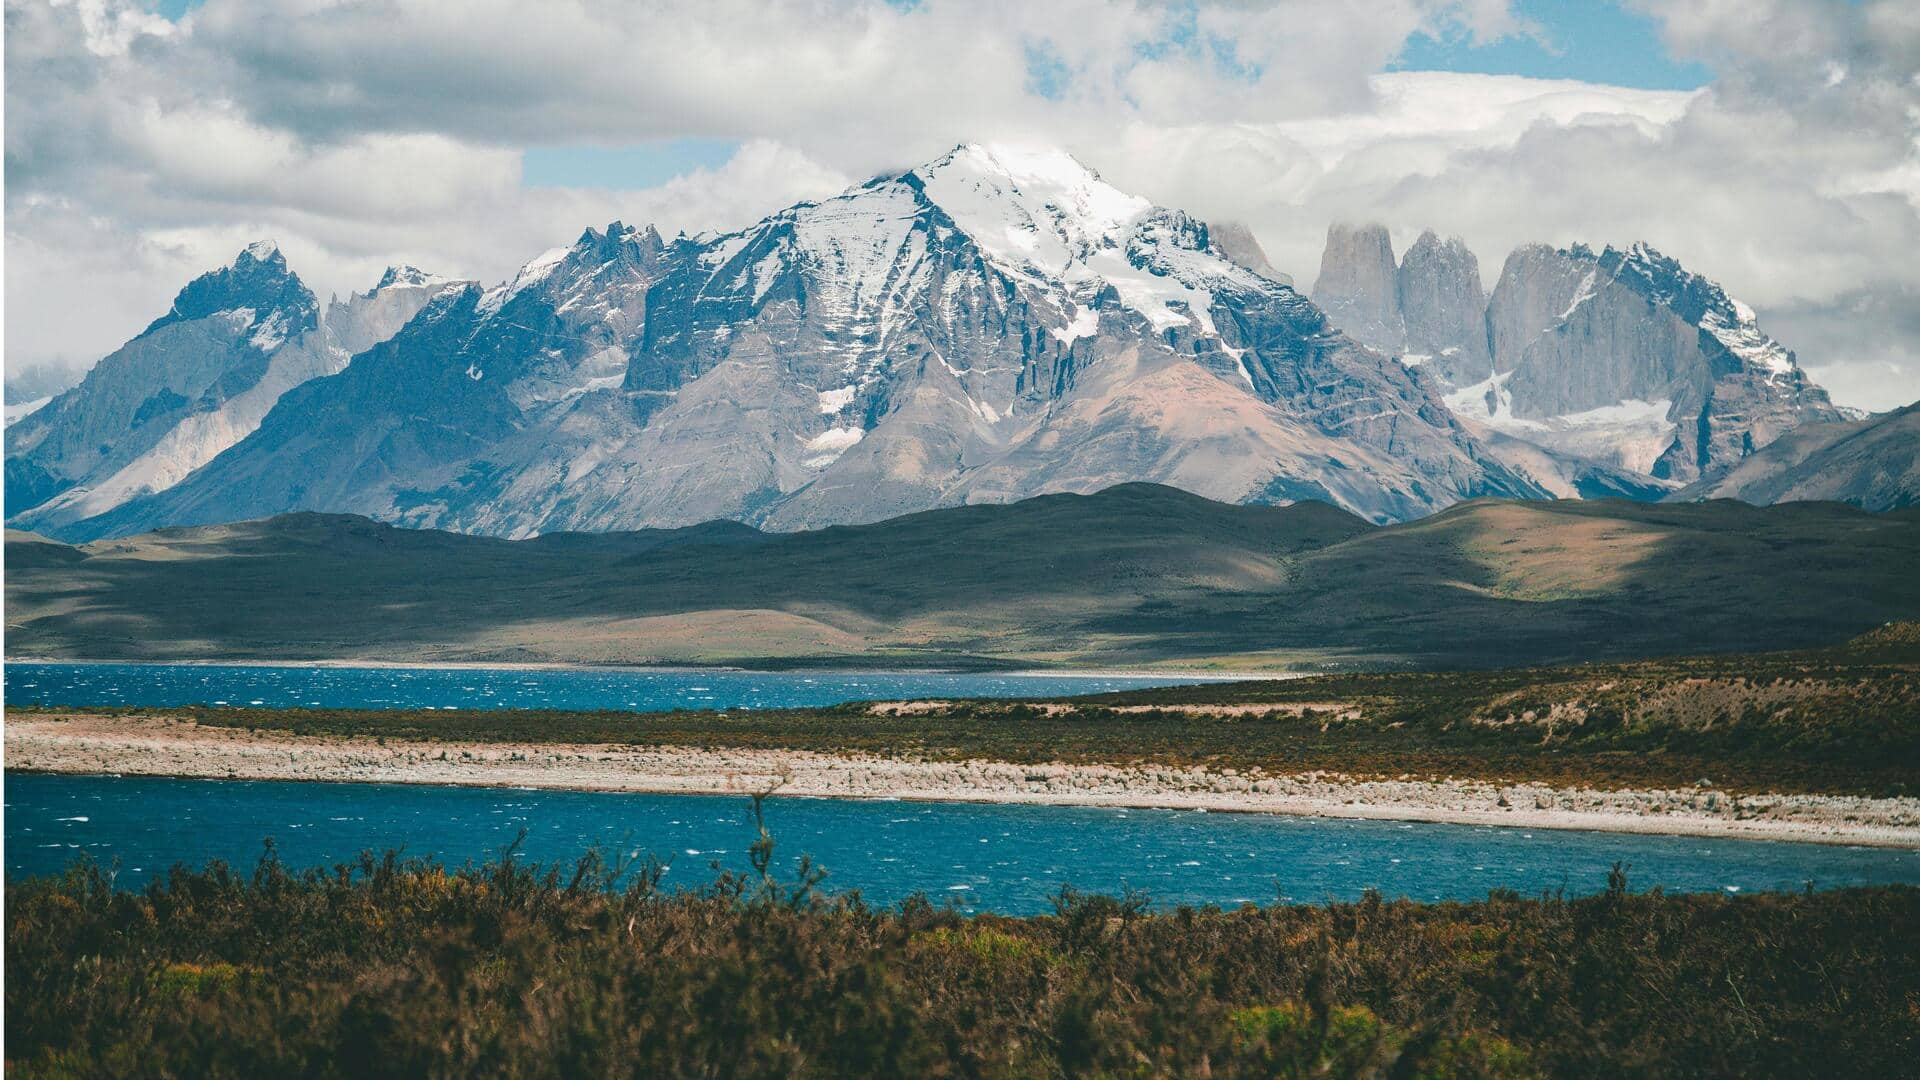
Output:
x=373 y=131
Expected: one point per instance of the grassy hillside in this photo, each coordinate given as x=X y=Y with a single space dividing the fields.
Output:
x=1137 y=574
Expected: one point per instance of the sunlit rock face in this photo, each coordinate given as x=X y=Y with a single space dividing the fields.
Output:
x=196 y=382
x=1630 y=374
x=1358 y=286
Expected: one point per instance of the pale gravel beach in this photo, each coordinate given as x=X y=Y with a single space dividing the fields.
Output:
x=137 y=745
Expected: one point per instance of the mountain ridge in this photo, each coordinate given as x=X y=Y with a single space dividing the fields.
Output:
x=234 y=341
x=995 y=324
x=1627 y=370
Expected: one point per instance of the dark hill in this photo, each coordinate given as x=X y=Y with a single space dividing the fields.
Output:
x=1135 y=574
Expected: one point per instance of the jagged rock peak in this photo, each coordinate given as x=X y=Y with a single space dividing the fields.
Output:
x=1443 y=307
x=257 y=281
x=569 y=267
x=407 y=274
x=1661 y=278
x=1357 y=285
x=1237 y=242
x=618 y=232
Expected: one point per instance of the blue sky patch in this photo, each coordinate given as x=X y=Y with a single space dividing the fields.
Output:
x=1588 y=40
x=640 y=166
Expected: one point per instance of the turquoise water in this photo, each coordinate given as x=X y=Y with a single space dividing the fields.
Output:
x=280 y=687
x=1002 y=858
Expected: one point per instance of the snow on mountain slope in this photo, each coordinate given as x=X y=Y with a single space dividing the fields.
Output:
x=1621 y=359
x=1041 y=215
x=997 y=323
x=212 y=346
x=344 y=329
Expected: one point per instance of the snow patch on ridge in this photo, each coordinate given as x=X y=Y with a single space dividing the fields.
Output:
x=26 y=408
x=1743 y=337
x=530 y=275
x=830 y=444
x=271 y=333
x=1044 y=218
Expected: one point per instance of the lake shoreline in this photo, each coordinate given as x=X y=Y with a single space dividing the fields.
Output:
x=799 y=668
x=163 y=746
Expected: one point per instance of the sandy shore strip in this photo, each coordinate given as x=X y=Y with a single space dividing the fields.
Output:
x=138 y=745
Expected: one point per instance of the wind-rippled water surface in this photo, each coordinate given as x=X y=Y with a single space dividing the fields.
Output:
x=1010 y=859
x=283 y=687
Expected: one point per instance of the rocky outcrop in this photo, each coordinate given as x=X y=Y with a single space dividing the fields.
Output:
x=1443 y=308
x=1358 y=286
x=1237 y=242
x=1632 y=373
x=1428 y=309
x=1647 y=366
x=1538 y=287
x=1872 y=463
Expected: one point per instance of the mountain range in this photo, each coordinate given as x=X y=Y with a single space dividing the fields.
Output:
x=1616 y=372
x=996 y=324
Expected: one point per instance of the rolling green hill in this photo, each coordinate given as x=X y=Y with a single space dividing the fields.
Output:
x=1137 y=574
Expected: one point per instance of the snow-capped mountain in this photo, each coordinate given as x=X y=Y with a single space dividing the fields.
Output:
x=197 y=381
x=210 y=345
x=1617 y=362
x=997 y=323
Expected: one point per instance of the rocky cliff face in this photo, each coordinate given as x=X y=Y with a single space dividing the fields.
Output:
x=1358 y=286
x=1620 y=364
x=1646 y=366
x=289 y=345
x=1443 y=307
x=995 y=324
x=1537 y=288
x=211 y=346
x=1237 y=242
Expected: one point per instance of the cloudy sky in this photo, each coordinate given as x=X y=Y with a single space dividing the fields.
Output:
x=1771 y=144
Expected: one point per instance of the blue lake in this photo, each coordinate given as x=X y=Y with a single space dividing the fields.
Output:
x=281 y=687
x=1002 y=858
